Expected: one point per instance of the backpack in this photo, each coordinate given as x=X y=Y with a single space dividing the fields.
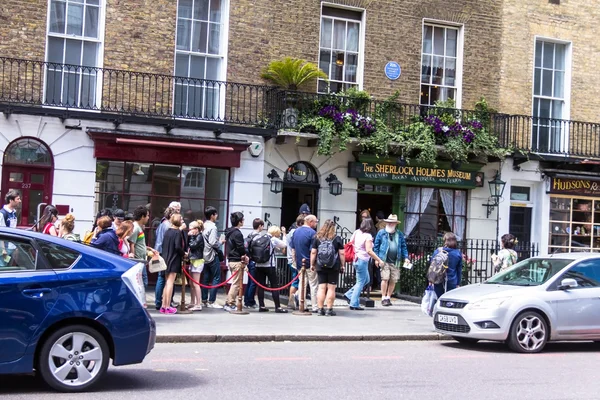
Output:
x=4 y=217
x=326 y=254
x=438 y=267
x=259 y=247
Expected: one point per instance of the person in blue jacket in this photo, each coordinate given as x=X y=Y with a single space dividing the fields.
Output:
x=391 y=251
x=455 y=260
x=106 y=238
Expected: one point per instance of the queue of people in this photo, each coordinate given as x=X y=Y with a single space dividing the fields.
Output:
x=379 y=251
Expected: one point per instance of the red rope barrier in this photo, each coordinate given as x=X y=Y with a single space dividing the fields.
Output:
x=208 y=286
x=273 y=289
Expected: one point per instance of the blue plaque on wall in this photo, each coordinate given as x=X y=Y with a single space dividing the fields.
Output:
x=393 y=70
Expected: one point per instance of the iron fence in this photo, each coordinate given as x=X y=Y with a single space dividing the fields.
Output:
x=477 y=263
x=562 y=137
x=39 y=83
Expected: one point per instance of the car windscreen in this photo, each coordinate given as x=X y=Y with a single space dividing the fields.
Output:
x=530 y=272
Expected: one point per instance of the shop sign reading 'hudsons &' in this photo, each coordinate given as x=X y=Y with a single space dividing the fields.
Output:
x=414 y=174
x=575 y=186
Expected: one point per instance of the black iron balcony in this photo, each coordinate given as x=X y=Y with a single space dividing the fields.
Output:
x=546 y=137
x=127 y=93
x=106 y=93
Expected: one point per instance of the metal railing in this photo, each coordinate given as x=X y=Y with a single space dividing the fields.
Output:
x=292 y=105
x=121 y=92
x=38 y=83
x=548 y=136
x=477 y=263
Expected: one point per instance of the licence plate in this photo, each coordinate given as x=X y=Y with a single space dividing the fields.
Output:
x=448 y=319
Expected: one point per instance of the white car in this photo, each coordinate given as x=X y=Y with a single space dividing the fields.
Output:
x=538 y=300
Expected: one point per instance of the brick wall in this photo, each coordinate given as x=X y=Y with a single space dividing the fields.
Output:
x=261 y=31
x=570 y=21
x=23 y=28
x=140 y=35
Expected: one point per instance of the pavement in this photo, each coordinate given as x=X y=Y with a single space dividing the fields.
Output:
x=341 y=370
x=402 y=321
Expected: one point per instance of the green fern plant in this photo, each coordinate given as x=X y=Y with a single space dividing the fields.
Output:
x=292 y=73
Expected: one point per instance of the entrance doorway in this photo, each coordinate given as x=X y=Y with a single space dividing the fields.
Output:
x=28 y=168
x=374 y=199
x=300 y=185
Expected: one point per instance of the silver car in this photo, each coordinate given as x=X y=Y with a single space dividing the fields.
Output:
x=538 y=300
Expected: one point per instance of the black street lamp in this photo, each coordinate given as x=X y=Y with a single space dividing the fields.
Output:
x=335 y=186
x=497 y=187
x=276 y=182
x=496 y=191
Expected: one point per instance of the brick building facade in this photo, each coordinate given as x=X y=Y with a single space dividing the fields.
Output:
x=117 y=83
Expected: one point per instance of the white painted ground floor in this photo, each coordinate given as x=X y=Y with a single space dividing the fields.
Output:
x=83 y=166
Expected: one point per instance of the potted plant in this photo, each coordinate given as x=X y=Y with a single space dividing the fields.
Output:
x=291 y=74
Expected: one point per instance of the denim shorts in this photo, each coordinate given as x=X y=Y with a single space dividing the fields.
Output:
x=296 y=283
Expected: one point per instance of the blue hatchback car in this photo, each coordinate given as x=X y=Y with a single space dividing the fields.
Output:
x=66 y=309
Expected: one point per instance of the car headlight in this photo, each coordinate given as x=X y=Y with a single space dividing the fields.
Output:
x=487 y=303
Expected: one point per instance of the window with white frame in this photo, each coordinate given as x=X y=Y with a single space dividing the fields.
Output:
x=73 y=52
x=339 y=50
x=548 y=95
x=439 y=64
x=199 y=57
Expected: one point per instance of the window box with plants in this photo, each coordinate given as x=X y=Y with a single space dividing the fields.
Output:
x=424 y=134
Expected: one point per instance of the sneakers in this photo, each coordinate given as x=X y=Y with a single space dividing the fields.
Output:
x=293 y=302
x=253 y=307
x=196 y=307
x=168 y=310
x=386 y=302
x=330 y=312
x=229 y=308
x=212 y=305
x=321 y=312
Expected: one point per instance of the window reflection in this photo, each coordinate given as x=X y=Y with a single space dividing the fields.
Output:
x=126 y=185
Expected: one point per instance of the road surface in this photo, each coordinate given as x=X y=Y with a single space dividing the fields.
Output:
x=343 y=370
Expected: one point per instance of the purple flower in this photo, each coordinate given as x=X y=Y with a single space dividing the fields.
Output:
x=328 y=111
x=338 y=118
x=468 y=136
x=436 y=123
x=353 y=114
x=332 y=112
x=476 y=125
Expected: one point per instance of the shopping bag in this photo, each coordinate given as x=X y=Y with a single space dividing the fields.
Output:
x=428 y=302
x=157 y=264
x=349 y=254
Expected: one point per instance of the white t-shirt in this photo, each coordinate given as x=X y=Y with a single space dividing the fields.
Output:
x=360 y=244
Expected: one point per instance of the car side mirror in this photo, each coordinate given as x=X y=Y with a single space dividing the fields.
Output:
x=567 y=284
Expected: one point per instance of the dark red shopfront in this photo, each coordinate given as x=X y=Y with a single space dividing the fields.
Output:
x=134 y=169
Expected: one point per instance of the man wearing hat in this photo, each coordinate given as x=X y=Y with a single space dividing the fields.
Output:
x=390 y=249
x=304 y=211
x=119 y=216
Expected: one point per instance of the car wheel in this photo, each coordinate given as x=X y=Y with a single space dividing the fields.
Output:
x=529 y=333
x=73 y=358
x=464 y=340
